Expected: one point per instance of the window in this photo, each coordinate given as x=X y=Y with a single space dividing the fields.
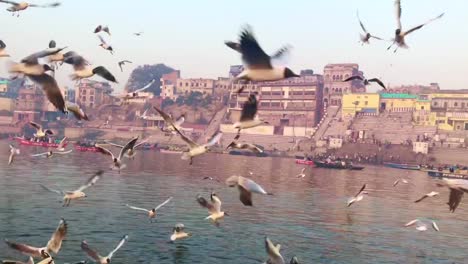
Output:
x=435 y=103
x=422 y=107
x=91 y=98
x=445 y=104
x=366 y=103
x=455 y=104
x=186 y=84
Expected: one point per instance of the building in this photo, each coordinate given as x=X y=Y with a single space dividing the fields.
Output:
x=92 y=94
x=449 y=110
x=168 y=90
x=3 y=86
x=334 y=87
x=360 y=104
x=69 y=94
x=397 y=102
x=170 y=78
x=202 y=85
x=29 y=104
x=7 y=104
x=422 y=113
x=415 y=89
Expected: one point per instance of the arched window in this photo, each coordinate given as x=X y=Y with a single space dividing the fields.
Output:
x=326 y=90
x=455 y=104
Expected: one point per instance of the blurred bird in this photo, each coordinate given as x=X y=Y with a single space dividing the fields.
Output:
x=358 y=197
x=246 y=187
x=40 y=132
x=152 y=212
x=135 y=93
x=98 y=258
x=431 y=194
x=50 y=154
x=457 y=189
x=55 y=58
x=169 y=123
x=258 y=65
x=53 y=246
x=367 y=36
x=196 y=149
x=131 y=152
x=294 y=260
x=400 y=35
x=2 y=49
x=214 y=207
x=366 y=81
x=138 y=33
x=248 y=116
x=117 y=160
x=13 y=152
x=76 y=110
x=61 y=145
x=83 y=70
x=16 y=7
x=105 y=45
x=102 y=28
x=400 y=180
x=421 y=226
x=68 y=196
x=274 y=255
x=122 y=63
x=302 y=174
x=179 y=232
x=247 y=146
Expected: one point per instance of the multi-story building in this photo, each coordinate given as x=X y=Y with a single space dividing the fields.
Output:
x=29 y=104
x=202 y=85
x=398 y=102
x=415 y=89
x=69 y=94
x=334 y=87
x=170 y=78
x=168 y=90
x=93 y=94
x=359 y=104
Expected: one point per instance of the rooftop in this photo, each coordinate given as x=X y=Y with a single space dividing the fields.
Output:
x=398 y=96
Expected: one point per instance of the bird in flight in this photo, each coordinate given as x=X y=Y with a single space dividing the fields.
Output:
x=117 y=160
x=358 y=197
x=214 y=207
x=83 y=70
x=178 y=232
x=248 y=118
x=138 y=33
x=246 y=187
x=122 y=63
x=273 y=251
x=366 y=36
x=457 y=187
x=131 y=152
x=105 y=45
x=102 y=28
x=76 y=110
x=98 y=258
x=16 y=7
x=151 y=212
x=40 y=132
x=428 y=195
x=13 y=152
x=365 y=81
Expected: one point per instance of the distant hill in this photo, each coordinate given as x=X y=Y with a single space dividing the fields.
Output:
x=143 y=75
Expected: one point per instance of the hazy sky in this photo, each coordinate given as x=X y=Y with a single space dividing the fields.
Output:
x=188 y=35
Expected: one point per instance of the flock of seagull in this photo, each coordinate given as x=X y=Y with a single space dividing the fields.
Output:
x=259 y=66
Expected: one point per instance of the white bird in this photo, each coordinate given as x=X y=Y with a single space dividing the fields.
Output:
x=13 y=152
x=122 y=63
x=50 y=153
x=302 y=174
x=76 y=110
x=68 y=196
x=16 y=7
x=358 y=197
x=246 y=187
x=214 y=207
x=61 y=145
x=2 y=49
x=421 y=226
x=248 y=116
x=102 y=28
x=457 y=189
x=135 y=93
x=428 y=195
x=274 y=255
x=257 y=64
x=178 y=232
x=40 y=132
x=131 y=152
x=83 y=70
x=53 y=245
x=144 y=116
x=400 y=35
x=170 y=123
x=367 y=36
x=55 y=58
x=98 y=258
x=117 y=160
x=400 y=180
x=247 y=146
x=105 y=45
x=151 y=212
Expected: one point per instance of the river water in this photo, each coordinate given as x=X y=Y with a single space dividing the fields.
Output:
x=308 y=216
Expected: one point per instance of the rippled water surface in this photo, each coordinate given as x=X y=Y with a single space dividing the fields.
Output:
x=308 y=217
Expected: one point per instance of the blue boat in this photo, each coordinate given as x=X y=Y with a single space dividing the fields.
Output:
x=447 y=174
x=402 y=166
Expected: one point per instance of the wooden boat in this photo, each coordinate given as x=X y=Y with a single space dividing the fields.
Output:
x=447 y=174
x=402 y=166
x=248 y=153
x=338 y=165
x=304 y=162
x=26 y=142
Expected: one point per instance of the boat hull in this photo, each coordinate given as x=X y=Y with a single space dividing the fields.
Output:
x=305 y=162
x=336 y=166
x=84 y=148
x=402 y=166
x=26 y=142
x=450 y=175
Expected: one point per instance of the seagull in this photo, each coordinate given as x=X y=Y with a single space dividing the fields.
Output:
x=214 y=207
x=400 y=35
x=366 y=81
x=2 y=49
x=367 y=36
x=104 y=45
x=247 y=118
x=68 y=196
x=144 y=116
x=358 y=197
x=302 y=174
x=30 y=67
x=421 y=226
x=138 y=33
x=152 y=212
x=57 y=57
x=82 y=70
x=246 y=187
x=40 y=132
x=131 y=152
x=122 y=63
x=61 y=145
x=197 y=149
x=457 y=189
x=400 y=180
x=135 y=93
x=248 y=146
x=117 y=161
x=431 y=194
x=76 y=110
x=169 y=122
x=179 y=233
x=17 y=7
x=102 y=28
x=13 y=152
x=210 y=179
x=50 y=154
x=274 y=255
x=294 y=260
x=258 y=65
x=98 y=258
x=54 y=244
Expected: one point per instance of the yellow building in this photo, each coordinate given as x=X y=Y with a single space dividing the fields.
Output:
x=422 y=113
x=3 y=86
x=6 y=104
x=360 y=103
x=449 y=111
x=395 y=102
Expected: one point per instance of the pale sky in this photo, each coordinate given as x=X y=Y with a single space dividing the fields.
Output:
x=189 y=35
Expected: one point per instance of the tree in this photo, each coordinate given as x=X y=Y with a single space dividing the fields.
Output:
x=180 y=100
x=143 y=75
x=167 y=102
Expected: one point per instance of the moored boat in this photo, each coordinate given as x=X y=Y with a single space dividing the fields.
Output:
x=304 y=162
x=447 y=174
x=402 y=166
x=26 y=142
x=338 y=165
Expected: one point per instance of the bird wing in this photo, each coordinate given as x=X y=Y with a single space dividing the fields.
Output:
x=9 y=2
x=106 y=29
x=398 y=13
x=372 y=36
x=379 y=82
x=55 y=241
x=422 y=25
x=165 y=116
x=360 y=22
x=55 y=4
x=90 y=252
x=129 y=145
x=121 y=243
x=214 y=139
x=162 y=204
x=245 y=196
x=98 y=29
x=103 y=41
x=204 y=203
x=60 y=192
x=356 y=77
x=10 y=158
x=216 y=203
x=249 y=110
x=281 y=53
x=455 y=198
x=233 y=45
x=361 y=190
x=187 y=140
x=253 y=148
x=104 y=151
x=104 y=73
x=63 y=152
x=273 y=251
x=62 y=142
x=251 y=186
x=137 y=208
x=2 y=44
x=252 y=53
x=179 y=121
x=91 y=181
x=40 y=154
x=23 y=248
x=76 y=111
x=412 y=222
x=144 y=88
x=34 y=58
x=51 y=89
x=395 y=183
x=78 y=61
x=35 y=125
x=127 y=61
x=422 y=198
x=114 y=144
x=18 y=262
